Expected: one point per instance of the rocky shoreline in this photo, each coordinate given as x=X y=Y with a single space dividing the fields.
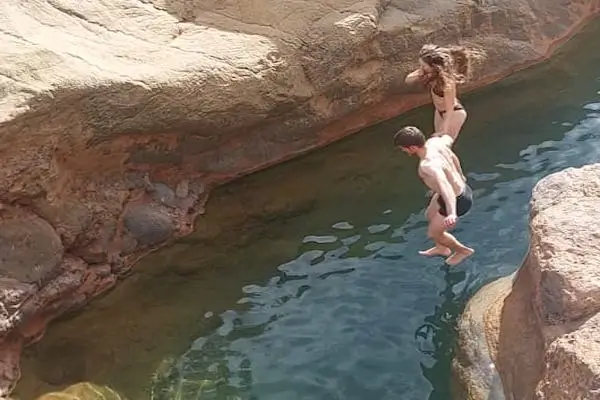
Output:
x=539 y=330
x=116 y=121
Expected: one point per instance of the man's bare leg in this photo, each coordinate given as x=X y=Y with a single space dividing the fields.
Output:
x=440 y=235
x=438 y=249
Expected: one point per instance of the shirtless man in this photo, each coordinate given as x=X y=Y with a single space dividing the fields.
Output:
x=440 y=170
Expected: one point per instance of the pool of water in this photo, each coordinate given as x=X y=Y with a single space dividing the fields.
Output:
x=304 y=282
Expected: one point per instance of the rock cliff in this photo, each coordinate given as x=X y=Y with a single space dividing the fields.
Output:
x=117 y=117
x=541 y=334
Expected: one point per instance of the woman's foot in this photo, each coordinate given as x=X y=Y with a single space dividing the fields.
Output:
x=459 y=256
x=436 y=251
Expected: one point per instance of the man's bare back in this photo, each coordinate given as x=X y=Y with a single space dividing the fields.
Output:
x=440 y=157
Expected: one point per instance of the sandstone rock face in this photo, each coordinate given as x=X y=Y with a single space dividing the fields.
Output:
x=117 y=117
x=565 y=270
x=546 y=341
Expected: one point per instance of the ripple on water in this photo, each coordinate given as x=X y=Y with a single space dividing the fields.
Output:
x=342 y=225
x=320 y=239
x=592 y=106
x=351 y=240
x=373 y=229
x=374 y=246
x=483 y=177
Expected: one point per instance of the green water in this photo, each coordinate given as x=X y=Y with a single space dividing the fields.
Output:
x=304 y=282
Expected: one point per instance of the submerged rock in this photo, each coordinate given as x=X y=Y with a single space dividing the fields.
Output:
x=474 y=365
x=83 y=391
x=546 y=339
x=118 y=117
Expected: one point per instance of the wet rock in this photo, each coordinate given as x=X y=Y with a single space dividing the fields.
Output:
x=30 y=249
x=148 y=224
x=474 y=365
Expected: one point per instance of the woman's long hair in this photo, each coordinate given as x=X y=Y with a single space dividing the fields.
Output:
x=450 y=64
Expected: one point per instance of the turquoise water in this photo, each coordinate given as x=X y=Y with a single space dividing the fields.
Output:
x=304 y=282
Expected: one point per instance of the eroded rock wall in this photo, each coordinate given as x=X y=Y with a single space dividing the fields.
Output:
x=118 y=116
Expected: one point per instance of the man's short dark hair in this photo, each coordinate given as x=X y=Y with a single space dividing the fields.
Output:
x=409 y=136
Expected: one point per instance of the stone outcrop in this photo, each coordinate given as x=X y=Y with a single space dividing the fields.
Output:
x=543 y=330
x=117 y=117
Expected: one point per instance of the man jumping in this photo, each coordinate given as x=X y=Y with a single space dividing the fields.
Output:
x=440 y=170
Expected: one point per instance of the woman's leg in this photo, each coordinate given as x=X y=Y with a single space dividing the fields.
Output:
x=457 y=120
x=437 y=121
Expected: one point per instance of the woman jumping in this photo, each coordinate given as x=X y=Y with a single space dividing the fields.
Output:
x=441 y=70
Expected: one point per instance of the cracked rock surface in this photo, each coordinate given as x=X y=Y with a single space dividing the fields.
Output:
x=118 y=116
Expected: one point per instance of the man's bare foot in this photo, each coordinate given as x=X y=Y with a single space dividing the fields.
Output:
x=459 y=256
x=436 y=251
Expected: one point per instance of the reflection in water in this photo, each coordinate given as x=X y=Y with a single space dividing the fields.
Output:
x=352 y=312
x=436 y=336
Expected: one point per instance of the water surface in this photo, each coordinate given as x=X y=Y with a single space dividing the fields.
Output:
x=304 y=282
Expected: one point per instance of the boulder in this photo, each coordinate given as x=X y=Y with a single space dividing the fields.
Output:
x=148 y=225
x=546 y=342
x=83 y=391
x=30 y=249
x=474 y=365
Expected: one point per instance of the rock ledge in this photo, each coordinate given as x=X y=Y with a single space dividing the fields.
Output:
x=544 y=338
